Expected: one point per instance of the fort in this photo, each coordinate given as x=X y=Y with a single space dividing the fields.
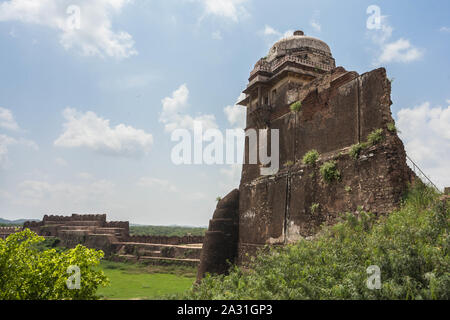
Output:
x=114 y=239
x=342 y=115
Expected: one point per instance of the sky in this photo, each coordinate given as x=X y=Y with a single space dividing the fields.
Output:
x=92 y=90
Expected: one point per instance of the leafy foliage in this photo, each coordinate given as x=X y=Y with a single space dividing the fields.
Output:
x=375 y=137
x=310 y=157
x=296 y=106
x=29 y=273
x=329 y=171
x=168 y=231
x=314 y=207
x=356 y=149
x=410 y=246
x=392 y=128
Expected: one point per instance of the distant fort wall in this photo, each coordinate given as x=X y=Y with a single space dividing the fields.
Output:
x=113 y=238
x=174 y=240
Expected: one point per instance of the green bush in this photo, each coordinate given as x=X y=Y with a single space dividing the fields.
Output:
x=375 y=137
x=310 y=157
x=29 y=273
x=356 y=149
x=329 y=171
x=314 y=207
x=410 y=246
x=392 y=128
x=296 y=106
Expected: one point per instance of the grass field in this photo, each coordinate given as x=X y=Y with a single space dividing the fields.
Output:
x=137 y=281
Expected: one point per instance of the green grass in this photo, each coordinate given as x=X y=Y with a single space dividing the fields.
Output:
x=411 y=247
x=167 y=231
x=138 y=281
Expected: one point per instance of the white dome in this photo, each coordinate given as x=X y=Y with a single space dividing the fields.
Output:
x=297 y=41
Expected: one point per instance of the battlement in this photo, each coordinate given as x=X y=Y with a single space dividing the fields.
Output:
x=75 y=217
x=93 y=231
x=6 y=231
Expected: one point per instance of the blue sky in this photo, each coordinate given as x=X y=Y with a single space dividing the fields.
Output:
x=85 y=113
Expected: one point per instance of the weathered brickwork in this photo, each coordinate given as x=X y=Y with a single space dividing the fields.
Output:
x=113 y=238
x=338 y=109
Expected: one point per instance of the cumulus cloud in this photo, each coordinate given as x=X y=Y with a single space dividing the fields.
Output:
x=445 y=29
x=85 y=25
x=426 y=133
x=7 y=141
x=90 y=131
x=160 y=184
x=314 y=23
x=232 y=10
x=7 y=120
x=400 y=50
x=84 y=196
x=236 y=114
x=173 y=118
x=270 y=32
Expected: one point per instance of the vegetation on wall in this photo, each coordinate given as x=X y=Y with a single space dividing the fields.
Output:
x=311 y=157
x=410 y=247
x=329 y=171
x=375 y=137
x=296 y=106
x=356 y=149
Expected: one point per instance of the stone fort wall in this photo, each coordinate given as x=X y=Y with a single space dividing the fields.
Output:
x=338 y=109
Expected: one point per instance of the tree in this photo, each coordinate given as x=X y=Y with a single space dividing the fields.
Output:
x=28 y=273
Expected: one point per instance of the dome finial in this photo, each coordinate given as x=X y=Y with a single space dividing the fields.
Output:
x=299 y=33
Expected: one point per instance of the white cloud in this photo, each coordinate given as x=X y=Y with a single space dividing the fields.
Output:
x=94 y=36
x=90 y=131
x=270 y=32
x=445 y=29
x=426 y=134
x=400 y=50
x=85 y=196
x=172 y=117
x=149 y=182
x=7 y=120
x=6 y=142
x=229 y=9
x=314 y=23
x=236 y=114
x=231 y=177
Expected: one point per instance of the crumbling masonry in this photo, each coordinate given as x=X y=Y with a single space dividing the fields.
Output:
x=339 y=109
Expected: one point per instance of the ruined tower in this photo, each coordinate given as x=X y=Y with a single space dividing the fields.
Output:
x=338 y=110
